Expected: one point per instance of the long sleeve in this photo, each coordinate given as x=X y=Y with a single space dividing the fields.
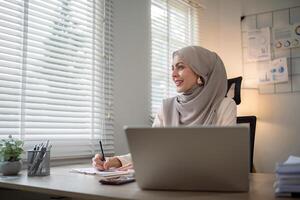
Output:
x=125 y=159
x=226 y=113
x=158 y=120
x=226 y=116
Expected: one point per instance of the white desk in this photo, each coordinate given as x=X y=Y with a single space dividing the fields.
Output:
x=78 y=186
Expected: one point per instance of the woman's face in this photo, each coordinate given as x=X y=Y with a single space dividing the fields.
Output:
x=183 y=76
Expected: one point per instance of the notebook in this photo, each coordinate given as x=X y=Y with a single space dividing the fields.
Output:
x=190 y=158
x=93 y=171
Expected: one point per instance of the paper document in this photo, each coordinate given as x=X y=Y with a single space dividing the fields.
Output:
x=288 y=177
x=276 y=71
x=109 y=173
x=292 y=160
x=259 y=44
x=287 y=36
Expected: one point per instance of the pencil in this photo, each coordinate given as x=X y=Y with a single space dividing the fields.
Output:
x=102 y=152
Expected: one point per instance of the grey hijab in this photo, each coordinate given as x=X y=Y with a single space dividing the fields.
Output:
x=198 y=105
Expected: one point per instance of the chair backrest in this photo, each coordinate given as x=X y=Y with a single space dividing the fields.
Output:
x=237 y=88
x=250 y=120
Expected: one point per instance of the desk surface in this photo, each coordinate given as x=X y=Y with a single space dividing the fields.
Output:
x=62 y=182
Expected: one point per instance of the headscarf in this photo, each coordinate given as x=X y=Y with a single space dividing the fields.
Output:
x=198 y=105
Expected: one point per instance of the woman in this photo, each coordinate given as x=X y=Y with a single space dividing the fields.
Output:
x=200 y=77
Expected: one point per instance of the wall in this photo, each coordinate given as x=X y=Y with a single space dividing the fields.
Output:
x=210 y=26
x=278 y=128
x=277 y=134
x=131 y=67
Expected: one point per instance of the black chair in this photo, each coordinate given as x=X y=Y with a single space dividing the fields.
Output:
x=237 y=88
x=251 y=120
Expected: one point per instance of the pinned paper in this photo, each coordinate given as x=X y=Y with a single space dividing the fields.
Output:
x=259 y=45
x=287 y=36
x=275 y=72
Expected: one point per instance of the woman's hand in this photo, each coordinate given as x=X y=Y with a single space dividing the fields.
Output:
x=105 y=165
x=126 y=167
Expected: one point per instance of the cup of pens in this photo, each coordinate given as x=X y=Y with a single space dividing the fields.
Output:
x=38 y=161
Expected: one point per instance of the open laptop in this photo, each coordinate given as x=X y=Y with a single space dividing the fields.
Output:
x=190 y=158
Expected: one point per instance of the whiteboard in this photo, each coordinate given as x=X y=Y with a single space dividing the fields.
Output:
x=272 y=19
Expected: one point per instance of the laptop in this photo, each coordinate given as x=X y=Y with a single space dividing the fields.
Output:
x=190 y=158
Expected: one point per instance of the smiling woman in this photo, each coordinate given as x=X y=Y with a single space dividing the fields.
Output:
x=183 y=76
x=200 y=78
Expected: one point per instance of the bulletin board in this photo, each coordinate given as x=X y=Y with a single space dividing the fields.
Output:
x=272 y=20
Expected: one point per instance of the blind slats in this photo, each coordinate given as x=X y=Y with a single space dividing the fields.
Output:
x=174 y=24
x=59 y=67
x=56 y=74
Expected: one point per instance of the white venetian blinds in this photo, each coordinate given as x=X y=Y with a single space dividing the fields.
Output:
x=174 y=24
x=56 y=74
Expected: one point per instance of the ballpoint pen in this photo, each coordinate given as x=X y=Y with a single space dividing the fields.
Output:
x=102 y=152
x=33 y=154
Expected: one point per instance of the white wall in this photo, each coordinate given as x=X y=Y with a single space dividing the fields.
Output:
x=210 y=26
x=277 y=134
x=131 y=67
x=278 y=129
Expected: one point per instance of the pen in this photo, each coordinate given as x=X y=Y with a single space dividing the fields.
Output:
x=103 y=157
x=32 y=156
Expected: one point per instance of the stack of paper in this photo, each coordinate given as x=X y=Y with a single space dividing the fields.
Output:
x=288 y=177
x=109 y=173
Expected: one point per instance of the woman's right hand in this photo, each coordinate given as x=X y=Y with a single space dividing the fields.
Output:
x=105 y=165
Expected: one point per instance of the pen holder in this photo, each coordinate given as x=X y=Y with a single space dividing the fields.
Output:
x=38 y=163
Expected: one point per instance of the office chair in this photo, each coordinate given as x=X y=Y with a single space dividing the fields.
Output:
x=251 y=120
x=237 y=88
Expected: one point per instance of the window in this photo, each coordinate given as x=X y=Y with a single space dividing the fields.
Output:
x=56 y=74
x=174 y=24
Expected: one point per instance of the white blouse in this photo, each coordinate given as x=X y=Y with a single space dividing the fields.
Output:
x=226 y=116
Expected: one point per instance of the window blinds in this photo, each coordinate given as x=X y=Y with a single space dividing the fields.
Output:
x=56 y=74
x=174 y=24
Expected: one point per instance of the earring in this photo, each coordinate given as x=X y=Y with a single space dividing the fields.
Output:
x=199 y=81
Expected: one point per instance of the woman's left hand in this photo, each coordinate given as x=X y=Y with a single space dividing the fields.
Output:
x=126 y=167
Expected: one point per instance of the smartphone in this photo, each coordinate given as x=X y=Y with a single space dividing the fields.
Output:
x=117 y=181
